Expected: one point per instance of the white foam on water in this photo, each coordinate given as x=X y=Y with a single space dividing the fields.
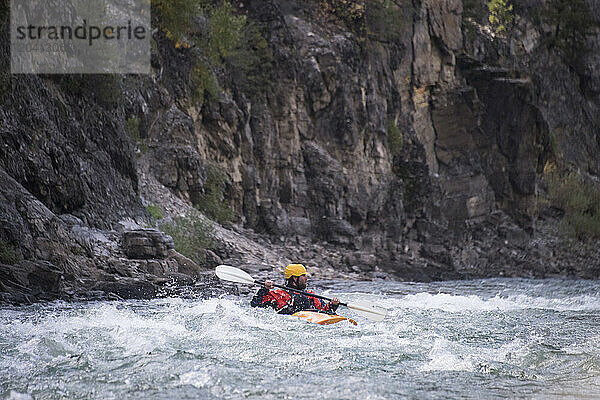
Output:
x=584 y=347
x=199 y=377
x=129 y=330
x=222 y=313
x=104 y=327
x=512 y=352
x=14 y=395
x=457 y=303
x=208 y=306
x=448 y=356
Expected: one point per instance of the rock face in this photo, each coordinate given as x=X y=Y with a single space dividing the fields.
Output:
x=311 y=167
x=59 y=257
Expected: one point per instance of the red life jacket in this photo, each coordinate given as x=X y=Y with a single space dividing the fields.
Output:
x=282 y=297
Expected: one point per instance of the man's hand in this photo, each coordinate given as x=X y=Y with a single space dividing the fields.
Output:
x=335 y=301
x=269 y=285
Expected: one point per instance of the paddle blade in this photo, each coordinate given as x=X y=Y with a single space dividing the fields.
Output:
x=368 y=310
x=233 y=274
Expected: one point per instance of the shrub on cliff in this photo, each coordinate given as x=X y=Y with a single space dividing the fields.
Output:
x=192 y=235
x=8 y=255
x=104 y=89
x=221 y=36
x=224 y=35
x=155 y=212
x=350 y=12
x=383 y=21
x=132 y=127
x=204 y=82
x=213 y=202
x=225 y=32
x=175 y=17
x=395 y=138
x=501 y=14
x=580 y=202
x=379 y=20
x=251 y=62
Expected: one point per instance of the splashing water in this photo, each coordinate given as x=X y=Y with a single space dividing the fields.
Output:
x=469 y=340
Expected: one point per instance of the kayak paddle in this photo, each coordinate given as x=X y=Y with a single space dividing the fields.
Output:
x=363 y=308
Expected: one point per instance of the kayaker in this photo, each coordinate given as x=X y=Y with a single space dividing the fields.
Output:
x=288 y=302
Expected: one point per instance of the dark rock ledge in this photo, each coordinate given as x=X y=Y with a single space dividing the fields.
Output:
x=58 y=257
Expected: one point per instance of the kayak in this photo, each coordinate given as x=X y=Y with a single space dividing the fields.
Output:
x=321 y=318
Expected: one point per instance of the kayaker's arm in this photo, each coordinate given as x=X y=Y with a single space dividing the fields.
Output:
x=288 y=309
x=259 y=299
x=331 y=307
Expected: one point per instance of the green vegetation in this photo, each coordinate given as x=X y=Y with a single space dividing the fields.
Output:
x=104 y=89
x=192 y=235
x=350 y=12
x=383 y=21
x=553 y=146
x=251 y=62
x=412 y=185
x=107 y=90
x=379 y=20
x=132 y=127
x=212 y=202
x=225 y=32
x=220 y=41
x=155 y=212
x=205 y=83
x=501 y=14
x=579 y=200
x=573 y=23
x=8 y=254
x=176 y=17
x=395 y=138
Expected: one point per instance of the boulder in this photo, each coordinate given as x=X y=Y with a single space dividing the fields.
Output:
x=147 y=243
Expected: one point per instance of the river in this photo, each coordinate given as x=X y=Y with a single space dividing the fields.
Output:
x=494 y=338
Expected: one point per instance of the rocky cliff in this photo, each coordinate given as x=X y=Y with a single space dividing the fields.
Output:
x=412 y=149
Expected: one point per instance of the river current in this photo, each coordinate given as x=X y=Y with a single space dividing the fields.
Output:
x=495 y=338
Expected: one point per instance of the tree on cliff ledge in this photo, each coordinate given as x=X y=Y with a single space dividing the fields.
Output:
x=501 y=14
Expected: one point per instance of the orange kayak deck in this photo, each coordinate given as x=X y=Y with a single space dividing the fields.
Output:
x=321 y=318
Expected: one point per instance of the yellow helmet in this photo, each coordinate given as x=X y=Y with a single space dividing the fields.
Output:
x=294 y=270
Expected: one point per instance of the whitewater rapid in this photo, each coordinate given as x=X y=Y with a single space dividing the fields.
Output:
x=499 y=338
